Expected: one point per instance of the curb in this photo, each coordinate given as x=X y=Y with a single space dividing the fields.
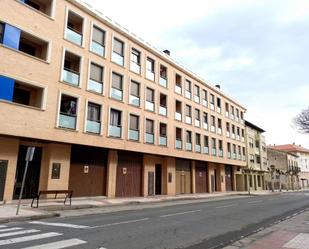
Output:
x=27 y=218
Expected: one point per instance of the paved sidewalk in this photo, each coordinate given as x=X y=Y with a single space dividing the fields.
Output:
x=292 y=233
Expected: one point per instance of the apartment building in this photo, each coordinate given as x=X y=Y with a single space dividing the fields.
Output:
x=256 y=169
x=108 y=114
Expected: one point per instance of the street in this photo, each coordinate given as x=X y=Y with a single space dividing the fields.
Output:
x=194 y=225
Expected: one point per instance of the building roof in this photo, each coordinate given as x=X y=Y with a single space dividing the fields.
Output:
x=290 y=148
x=108 y=21
x=253 y=126
x=269 y=148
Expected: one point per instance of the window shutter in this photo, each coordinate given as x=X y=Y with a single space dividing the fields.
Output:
x=149 y=126
x=93 y=112
x=133 y=122
x=117 y=81
x=135 y=88
x=98 y=36
x=149 y=95
x=96 y=73
x=118 y=46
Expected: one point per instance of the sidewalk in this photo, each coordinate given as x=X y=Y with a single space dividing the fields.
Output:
x=51 y=207
x=292 y=233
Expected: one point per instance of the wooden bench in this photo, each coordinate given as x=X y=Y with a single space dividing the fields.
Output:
x=68 y=194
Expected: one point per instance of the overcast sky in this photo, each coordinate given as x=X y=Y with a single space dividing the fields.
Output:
x=257 y=50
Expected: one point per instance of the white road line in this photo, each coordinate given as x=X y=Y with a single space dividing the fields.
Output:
x=58 y=224
x=18 y=233
x=10 y=229
x=252 y=202
x=2 y=226
x=174 y=214
x=28 y=238
x=232 y=205
x=119 y=223
x=59 y=244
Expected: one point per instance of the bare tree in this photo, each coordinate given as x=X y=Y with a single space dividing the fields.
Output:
x=302 y=121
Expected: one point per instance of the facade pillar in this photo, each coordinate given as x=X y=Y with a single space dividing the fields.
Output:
x=171 y=176
x=112 y=162
x=210 y=175
x=193 y=177
x=222 y=185
x=234 y=180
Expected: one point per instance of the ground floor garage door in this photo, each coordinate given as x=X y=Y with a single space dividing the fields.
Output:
x=201 y=177
x=88 y=171
x=183 y=176
x=129 y=174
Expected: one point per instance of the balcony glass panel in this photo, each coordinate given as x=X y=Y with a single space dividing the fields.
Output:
x=234 y=155
x=206 y=150
x=205 y=126
x=189 y=146
x=70 y=77
x=93 y=127
x=188 y=120
x=178 y=89
x=178 y=116
x=196 y=99
x=212 y=128
x=149 y=106
x=242 y=139
x=220 y=152
x=214 y=152
x=163 y=110
x=134 y=100
x=212 y=106
x=135 y=67
x=114 y=131
x=150 y=75
x=163 y=82
x=117 y=58
x=237 y=137
x=229 y=155
x=95 y=86
x=219 y=131
x=134 y=135
x=178 y=144
x=198 y=148
x=149 y=138
x=116 y=94
x=67 y=121
x=74 y=36
x=233 y=136
x=244 y=158
x=228 y=134
x=187 y=94
x=239 y=157
x=163 y=140
x=204 y=103
x=232 y=116
x=218 y=109
x=226 y=114
x=97 y=48
x=197 y=123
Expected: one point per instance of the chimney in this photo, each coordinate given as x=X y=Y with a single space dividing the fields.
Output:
x=218 y=86
x=167 y=52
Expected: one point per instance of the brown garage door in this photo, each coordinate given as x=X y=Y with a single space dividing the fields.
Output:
x=129 y=174
x=201 y=177
x=183 y=176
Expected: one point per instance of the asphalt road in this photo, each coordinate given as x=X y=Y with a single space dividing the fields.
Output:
x=193 y=225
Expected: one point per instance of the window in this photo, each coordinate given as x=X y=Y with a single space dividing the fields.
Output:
x=74 y=30
x=227 y=109
x=135 y=65
x=258 y=159
x=220 y=148
x=71 y=69
x=134 y=127
x=163 y=134
x=178 y=142
x=251 y=142
x=178 y=84
x=219 y=126
x=237 y=115
x=149 y=99
x=242 y=135
x=227 y=129
x=115 y=123
x=117 y=86
x=68 y=112
x=206 y=145
x=243 y=153
x=118 y=52
x=197 y=121
x=205 y=120
x=188 y=89
x=212 y=102
x=214 y=147
x=228 y=150
x=1 y=32
x=196 y=94
x=239 y=152
x=163 y=76
x=234 y=151
x=44 y=6
x=188 y=114
x=93 y=118
x=233 y=131
x=212 y=123
x=149 y=131
x=219 y=105
x=232 y=112
x=134 y=98
x=197 y=142
x=150 y=69
x=178 y=110
x=238 y=133
x=251 y=158
x=98 y=41
x=95 y=83
x=163 y=105
x=189 y=140
x=204 y=98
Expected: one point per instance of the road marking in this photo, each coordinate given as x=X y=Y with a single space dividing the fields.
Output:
x=10 y=229
x=18 y=233
x=174 y=214
x=252 y=202
x=28 y=238
x=59 y=244
x=2 y=226
x=232 y=205
x=271 y=199
x=58 y=224
x=120 y=223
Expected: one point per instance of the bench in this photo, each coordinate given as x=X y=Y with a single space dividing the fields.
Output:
x=68 y=194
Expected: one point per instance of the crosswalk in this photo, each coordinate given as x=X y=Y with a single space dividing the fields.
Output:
x=10 y=236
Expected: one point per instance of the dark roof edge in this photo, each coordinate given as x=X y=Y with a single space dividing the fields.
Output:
x=247 y=123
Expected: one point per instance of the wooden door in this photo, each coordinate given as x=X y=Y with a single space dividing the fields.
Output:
x=183 y=176
x=228 y=178
x=3 y=170
x=201 y=177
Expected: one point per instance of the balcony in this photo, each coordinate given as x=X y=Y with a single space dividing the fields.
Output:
x=239 y=157
x=116 y=94
x=149 y=106
x=197 y=123
x=149 y=138
x=242 y=139
x=187 y=94
x=212 y=128
x=117 y=58
x=70 y=76
x=196 y=99
x=206 y=150
x=231 y=116
x=212 y=106
x=178 y=116
x=233 y=135
x=178 y=89
x=97 y=48
x=189 y=146
x=134 y=135
x=93 y=127
x=234 y=155
x=219 y=109
x=67 y=121
x=114 y=131
x=74 y=36
x=95 y=86
x=163 y=140
x=204 y=102
x=244 y=158
x=213 y=152
x=178 y=144
x=188 y=120
x=219 y=131
x=198 y=148
x=134 y=67
x=220 y=153
x=163 y=82
x=205 y=126
x=134 y=100
x=238 y=137
x=163 y=110
x=150 y=75
x=229 y=155
x=228 y=134
x=227 y=114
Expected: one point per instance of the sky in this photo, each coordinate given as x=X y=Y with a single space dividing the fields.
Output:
x=257 y=50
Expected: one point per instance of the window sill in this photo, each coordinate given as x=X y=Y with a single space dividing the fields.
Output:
x=93 y=134
x=135 y=73
x=21 y=105
x=117 y=138
x=96 y=93
x=119 y=65
x=138 y=107
x=117 y=100
x=100 y=56
x=134 y=141
x=66 y=129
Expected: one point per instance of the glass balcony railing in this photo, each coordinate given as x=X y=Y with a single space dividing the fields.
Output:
x=212 y=106
x=188 y=120
x=187 y=94
x=163 y=140
x=114 y=131
x=178 y=116
x=178 y=89
x=93 y=127
x=219 y=131
x=74 y=36
x=244 y=158
x=204 y=103
x=67 y=121
x=134 y=135
x=149 y=106
x=134 y=100
x=70 y=77
x=213 y=152
x=135 y=67
x=95 y=86
x=233 y=135
x=196 y=99
x=239 y=157
x=229 y=155
x=205 y=126
x=150 y=75
x=97 y=48
x=149 y=138
x=234 y=155
x=227 y=114
x=238 y=137
x=220 y=152
x=228 y=134
x=163 y=82
x=117 y=58
x=212 y=128
x=197 y=123
x=178 y=144
x=116 y=94
x=163 y=110
x=206 y=150
x=219 y=109
x=189 y=146
x=198 y=148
